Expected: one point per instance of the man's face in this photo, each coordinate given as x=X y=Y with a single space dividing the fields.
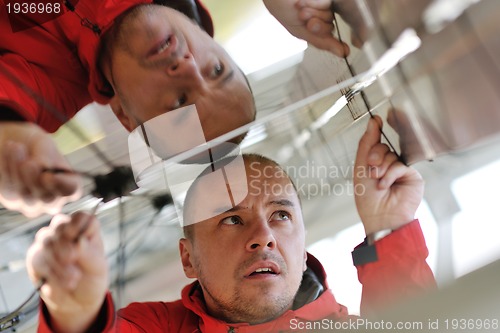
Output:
x=164 y=61
x=250 y=259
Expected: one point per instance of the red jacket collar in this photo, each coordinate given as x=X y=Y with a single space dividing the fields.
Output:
x=324 y=306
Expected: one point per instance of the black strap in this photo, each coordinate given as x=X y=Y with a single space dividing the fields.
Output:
x=364 y=254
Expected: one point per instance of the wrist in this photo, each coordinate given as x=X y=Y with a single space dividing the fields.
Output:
x=74 y=321
x=372 y=237
x=366 y=252
x=376 y=224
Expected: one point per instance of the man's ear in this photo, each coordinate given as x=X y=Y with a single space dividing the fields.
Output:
x=185 y=249
x=123 y=117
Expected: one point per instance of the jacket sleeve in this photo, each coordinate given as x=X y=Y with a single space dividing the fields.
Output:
x=12 y=94
x=33 y=95
x=400 y=271
x=144 y=317
x=105 y=321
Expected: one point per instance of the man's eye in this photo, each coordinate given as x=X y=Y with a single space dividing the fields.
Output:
x=231 y=220
x=281 y=216
x=218 y=70
x=164 y=45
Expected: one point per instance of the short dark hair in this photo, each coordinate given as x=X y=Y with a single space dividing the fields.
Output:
x=187 y=7
x=248 y=158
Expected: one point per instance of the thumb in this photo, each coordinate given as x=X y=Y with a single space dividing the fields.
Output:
x=370 y=138
x=319 y=34
x=317 y=4
x=329 y=43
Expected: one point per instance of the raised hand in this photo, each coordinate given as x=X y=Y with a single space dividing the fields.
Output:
x=69 y=256
x=387 y=192
x=25 y=151
x=310 y=20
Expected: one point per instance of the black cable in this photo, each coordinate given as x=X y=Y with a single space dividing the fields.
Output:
x=121 y=258
x=117 y=183
x=362 y=93
x=85 y=22
x=14 y=317
x=4 y=300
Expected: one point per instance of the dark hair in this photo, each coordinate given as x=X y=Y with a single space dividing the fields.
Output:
x=248 y=158
x=187 y=7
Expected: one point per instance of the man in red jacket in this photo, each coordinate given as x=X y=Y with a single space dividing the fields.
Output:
x=246 y=248
x=142 y=58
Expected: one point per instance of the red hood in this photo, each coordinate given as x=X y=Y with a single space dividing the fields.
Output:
x=324 y=306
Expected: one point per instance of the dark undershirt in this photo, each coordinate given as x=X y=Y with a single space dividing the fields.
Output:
x=7 y=114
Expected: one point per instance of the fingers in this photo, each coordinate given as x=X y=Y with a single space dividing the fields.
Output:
x=369 y=139
x=49 y=258
x=322 y=15
x=398 y=172
x=318 y=19
x=310 y=20
x=60 y=184
x=381 y=171
x=26 y=188
x=58 y=268
x=323 y=9
x=329 y=43
x=13 y=156
x=320 y=28
x=56 y=252
x=377 y=154
x=385 y=166
x=380 y=159
x=87 y=226
x=316 y=4
x=31 y=182
x=70 y=228
x=35 y=263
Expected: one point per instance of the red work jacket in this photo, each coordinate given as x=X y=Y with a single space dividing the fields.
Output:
x=400 y=272
x=56 y=60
